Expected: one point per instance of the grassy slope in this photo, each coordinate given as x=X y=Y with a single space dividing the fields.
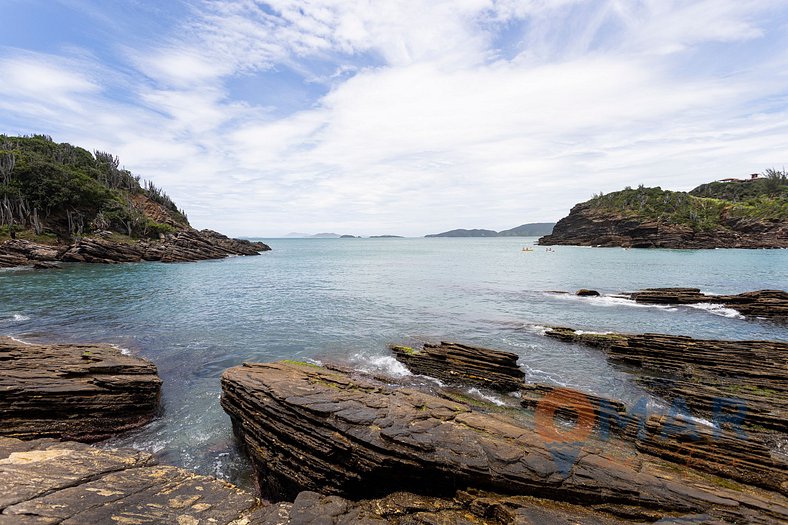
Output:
x=704 y=208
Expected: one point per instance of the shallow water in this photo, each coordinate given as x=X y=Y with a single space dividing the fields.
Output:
x=346 y=299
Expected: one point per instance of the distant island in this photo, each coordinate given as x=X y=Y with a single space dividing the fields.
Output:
x=534 y=229
x=60 y=202
x=729 y=213
x=337 y=236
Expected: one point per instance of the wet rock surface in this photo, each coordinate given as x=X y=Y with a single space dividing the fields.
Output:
x=182 y=246
x=766 y=304
x=469 y=365
x=315 y=429
x=46 y=482
x=72 y=391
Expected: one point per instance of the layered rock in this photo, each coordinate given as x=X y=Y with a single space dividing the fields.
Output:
x=457 y=363
x=310 y=428
x=47 y=482
x=81 y=392
x=740 y=386
x=766 y=304
x=466 y=508
x=587 y=225
x=185 y=245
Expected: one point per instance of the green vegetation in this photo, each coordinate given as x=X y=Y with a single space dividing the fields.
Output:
x=60 y=190
x=405 y=349
x=705 y=208
x=299 y=363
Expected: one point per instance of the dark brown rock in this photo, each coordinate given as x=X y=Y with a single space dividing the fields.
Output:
x=742 y=386
x=49 y=482
x=466 y=508
x=583 y=292
x=182 y=246
x=81 y=392
x=309 y=428
x=766 y=304
x=456 y=363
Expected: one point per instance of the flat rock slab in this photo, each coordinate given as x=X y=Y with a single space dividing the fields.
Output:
x=46 y=482
x=469 y=365
x=309 y=428
x=73 y=391
x=764 y=304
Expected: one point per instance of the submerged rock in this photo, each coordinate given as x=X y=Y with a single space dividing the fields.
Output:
x=310 y=428
x=469 y=365
x=80 y=392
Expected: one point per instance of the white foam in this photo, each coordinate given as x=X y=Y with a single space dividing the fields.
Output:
x=611 y=300
x=590 y=332
x=380 y=363
x=717 y=309
x=18 y=318
x=537 y=329
x=534 y=375
x=124 y=351
x=19 y=340
x=492 y=399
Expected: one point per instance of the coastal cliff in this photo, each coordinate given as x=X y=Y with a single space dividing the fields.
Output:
x=60 y=202
x=737 y=214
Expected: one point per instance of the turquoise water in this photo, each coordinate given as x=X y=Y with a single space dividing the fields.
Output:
x=345 y=299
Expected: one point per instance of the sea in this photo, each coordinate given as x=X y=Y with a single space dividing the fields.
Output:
x=344 y=301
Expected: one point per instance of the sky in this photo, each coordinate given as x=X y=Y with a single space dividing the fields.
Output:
x=401 y=117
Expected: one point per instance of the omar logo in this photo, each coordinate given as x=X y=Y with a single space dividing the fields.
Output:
x=567 y=419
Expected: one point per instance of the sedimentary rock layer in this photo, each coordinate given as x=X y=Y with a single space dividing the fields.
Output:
x=182 y=246
x=47 y=482
x=469 y=365
x=739 y=386
x=309 y=428
x=767 y=304
x=80 y=392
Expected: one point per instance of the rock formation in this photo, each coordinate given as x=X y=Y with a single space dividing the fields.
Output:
x=80 y=392
x=182 y=246
x=46 y=482
x=312 y=428
x=456 y=363
x=656 y=218
x=767 y=304
x=741 y=386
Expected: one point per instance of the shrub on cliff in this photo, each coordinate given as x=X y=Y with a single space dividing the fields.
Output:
x=64 y=189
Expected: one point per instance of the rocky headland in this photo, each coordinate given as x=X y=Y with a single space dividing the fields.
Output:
x=745 y=214
x=61 y=203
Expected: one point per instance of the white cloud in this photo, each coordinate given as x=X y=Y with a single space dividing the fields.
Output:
x=443 y=130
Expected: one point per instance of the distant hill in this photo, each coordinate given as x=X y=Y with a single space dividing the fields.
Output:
x=534 y=229
x=750 y=213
